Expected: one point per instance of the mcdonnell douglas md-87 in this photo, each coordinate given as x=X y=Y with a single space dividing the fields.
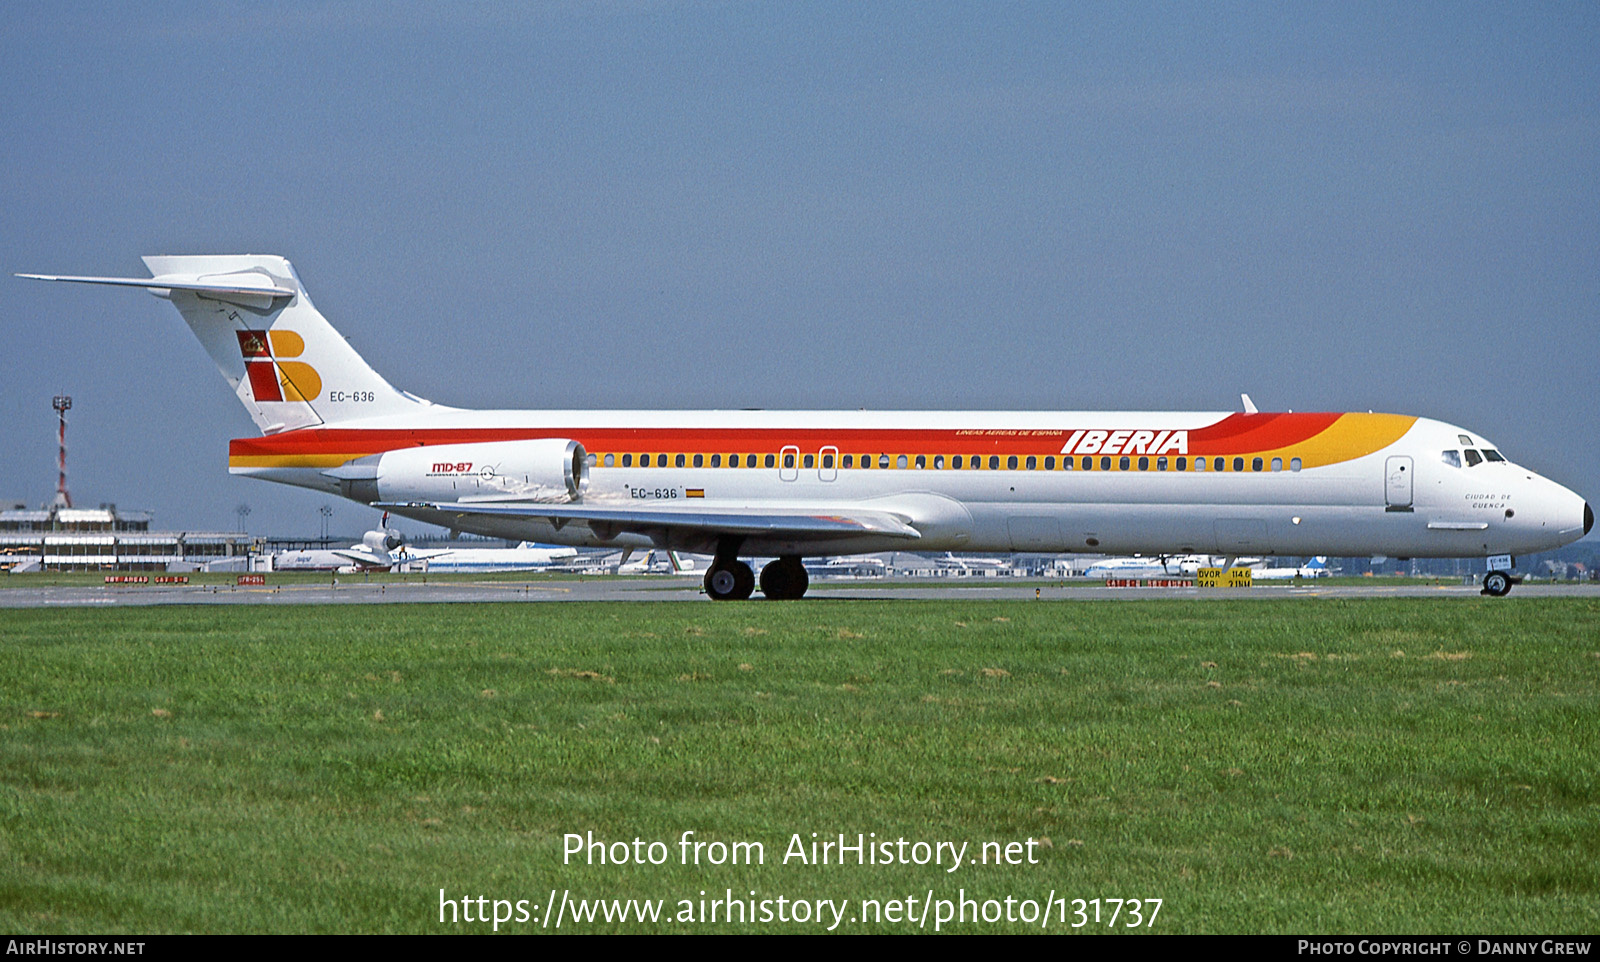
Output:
x=789 y=485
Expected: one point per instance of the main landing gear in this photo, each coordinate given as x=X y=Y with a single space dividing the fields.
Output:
x=784 y=579
x=729 y=579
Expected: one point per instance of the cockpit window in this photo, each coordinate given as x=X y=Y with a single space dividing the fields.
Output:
x=1473 y=458
x=1466 y=442
x=1452 y=458
x=1491 y=454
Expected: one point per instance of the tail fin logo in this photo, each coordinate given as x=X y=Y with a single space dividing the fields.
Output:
x=273 y=376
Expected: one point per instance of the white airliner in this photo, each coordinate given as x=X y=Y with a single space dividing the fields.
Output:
x=1161 y=566
x=790 y=485
x=378 y=550
x=1315 y=568
x=969 y=565
x=864 y=566
x=526 y=556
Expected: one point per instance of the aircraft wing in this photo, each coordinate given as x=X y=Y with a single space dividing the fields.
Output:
x=361 y=557
x=682 y=522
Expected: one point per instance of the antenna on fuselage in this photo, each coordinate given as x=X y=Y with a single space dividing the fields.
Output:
x=1249 y=405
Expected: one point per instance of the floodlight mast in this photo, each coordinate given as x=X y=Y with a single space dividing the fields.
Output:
x=62 y=404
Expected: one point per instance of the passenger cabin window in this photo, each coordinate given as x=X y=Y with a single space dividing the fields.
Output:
x=716 y=460
x=1050 y=463
x=827 y=460
x=1277 y=464
x=1066 y=464
x=627 y=460
x=938 y=462
x=1473 y=458
x=661 y=461
x=1255 y=464
x=699 y=460
x=849 y=460
x=1161 y=464
x=1011 y=463
x=1105 y=464
x=810 y=461
x=788 y=460
x=677 y=461
x=955 y=462
x=883 y=460
x=1182 y=464
x=1033 y=463
x=1238 y=464
x=611 y=460
x=994 y=462
x=922 y=461
x=1122 y=463
x=1294 y=464
x=1490 y=454
x=1144 y=464
x=750 y=461
x=900 y=462
x=771 y=461
x=1452 y=458
x=1217 y=463
x=1199 y=464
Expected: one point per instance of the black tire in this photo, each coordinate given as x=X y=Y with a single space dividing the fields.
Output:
x=747 y=581
x=1497 y=584
x=733 y=581
x=785 y=579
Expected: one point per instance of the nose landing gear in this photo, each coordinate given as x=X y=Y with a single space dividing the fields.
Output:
x=1497 y=584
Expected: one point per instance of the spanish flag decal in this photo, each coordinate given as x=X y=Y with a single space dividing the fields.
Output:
x=695 y=493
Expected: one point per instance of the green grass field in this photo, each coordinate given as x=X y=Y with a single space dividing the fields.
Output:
x=1410 y=765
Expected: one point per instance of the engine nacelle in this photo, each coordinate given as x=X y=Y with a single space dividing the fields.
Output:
x=383 y=541
x=549 y=470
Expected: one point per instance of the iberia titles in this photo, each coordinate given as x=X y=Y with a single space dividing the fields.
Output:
x=1127 y=441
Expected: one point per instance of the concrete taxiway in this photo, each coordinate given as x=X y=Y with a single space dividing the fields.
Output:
x=357 y=592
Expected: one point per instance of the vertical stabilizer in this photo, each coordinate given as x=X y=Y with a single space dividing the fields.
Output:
x=286 y=363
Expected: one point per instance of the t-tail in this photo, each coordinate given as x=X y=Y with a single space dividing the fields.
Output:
x=284 y=361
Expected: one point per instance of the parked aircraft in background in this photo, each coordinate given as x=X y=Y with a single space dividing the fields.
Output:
x=789 y=485
x=1161 y=566
x=1315 y=568
x=654 y=563
x=378 y=550
x=970 y=565
x=859 y=566
x=526 y=556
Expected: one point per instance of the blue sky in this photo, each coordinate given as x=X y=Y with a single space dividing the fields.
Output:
x=1029 y=206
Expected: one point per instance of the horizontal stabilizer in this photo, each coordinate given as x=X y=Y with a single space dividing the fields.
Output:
x=252 y=288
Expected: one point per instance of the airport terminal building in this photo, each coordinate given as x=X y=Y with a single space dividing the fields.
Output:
x=59 y=538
